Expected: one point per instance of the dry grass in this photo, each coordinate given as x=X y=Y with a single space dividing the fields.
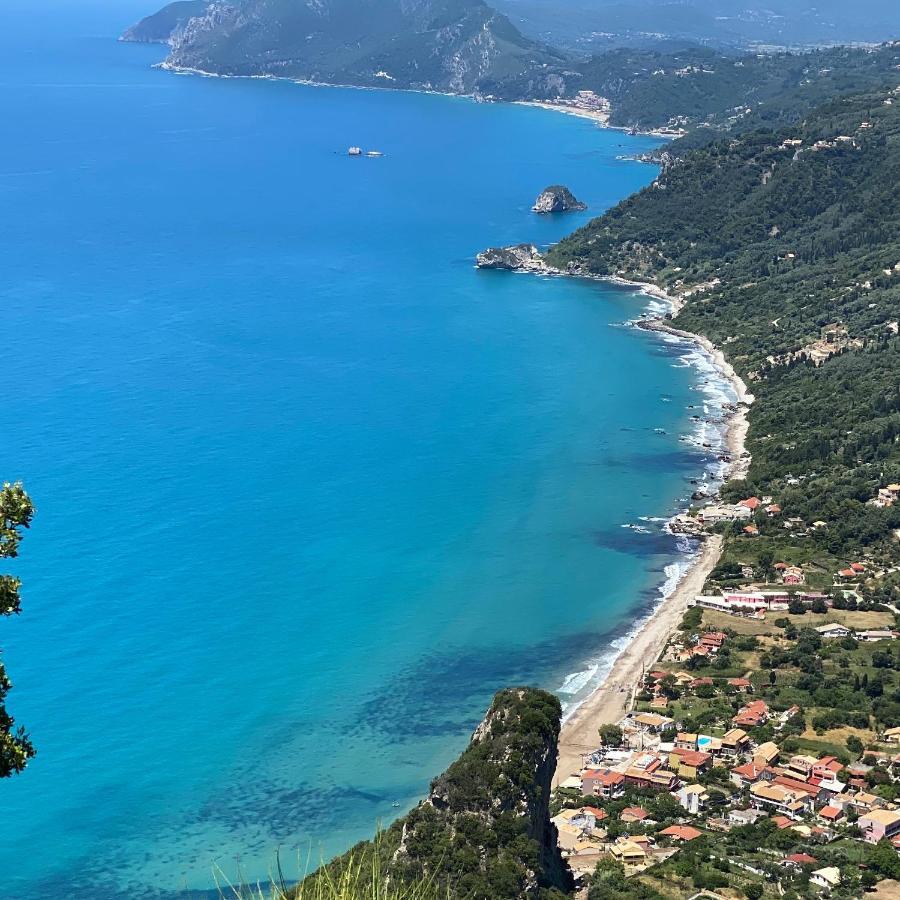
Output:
x=359 y=878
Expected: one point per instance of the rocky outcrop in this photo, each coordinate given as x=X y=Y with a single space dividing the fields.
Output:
x=165 y=26
x=502 y=782
x=484 y=830
x=557 y=198
x=517 y=258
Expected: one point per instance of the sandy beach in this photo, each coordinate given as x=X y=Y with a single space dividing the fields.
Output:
x=613 y=697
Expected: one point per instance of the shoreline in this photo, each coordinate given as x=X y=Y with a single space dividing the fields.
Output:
x=601 y=118
x=613 y=697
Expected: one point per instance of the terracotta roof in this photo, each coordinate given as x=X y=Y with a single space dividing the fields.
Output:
x=636 y=812
x=748 y=771
x=598 y=814
x=740 y=682
x=802 y=859
x=682 y=832
x=831 y=813
x=605 y=776
x=782 y=821
x=750 y=502
x=792 y=784
x=692 y=757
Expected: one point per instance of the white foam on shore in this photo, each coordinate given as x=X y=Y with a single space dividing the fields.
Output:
x=710 y=429
x=580 y=685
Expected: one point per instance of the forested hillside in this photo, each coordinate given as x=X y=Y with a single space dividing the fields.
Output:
x=484 y=831
x=786 y=246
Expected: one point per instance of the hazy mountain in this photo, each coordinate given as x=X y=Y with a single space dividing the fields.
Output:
x=595 y=25
x=447 y=45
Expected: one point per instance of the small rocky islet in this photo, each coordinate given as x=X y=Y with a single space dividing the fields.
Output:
x=557 y=198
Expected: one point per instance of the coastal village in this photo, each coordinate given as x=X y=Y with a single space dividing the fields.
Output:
x=759 y=755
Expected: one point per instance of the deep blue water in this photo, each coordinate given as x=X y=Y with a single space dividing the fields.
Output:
x=310 y=487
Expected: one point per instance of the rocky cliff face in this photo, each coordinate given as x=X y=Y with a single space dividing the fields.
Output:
x=557 y=198
x=445 y=45
x=166 y=25
x=484 y=830
x=518 y=257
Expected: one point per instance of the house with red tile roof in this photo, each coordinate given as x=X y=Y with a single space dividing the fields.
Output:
x=826 y=767
x=682 y=833
x=603 y=783
x=713 y=638
x=754 y=713
x=690 y=763
x=634 y=814
x=748 y=773
x=700 y=682
x=831 y=814
x=751 y=503
x=782 y=821
x=798 y=860
x=742 y=684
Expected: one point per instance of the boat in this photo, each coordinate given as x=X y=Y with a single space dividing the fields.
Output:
x=354 y=151
x=374 y=153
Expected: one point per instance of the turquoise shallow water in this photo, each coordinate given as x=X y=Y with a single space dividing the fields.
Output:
x=310 y=487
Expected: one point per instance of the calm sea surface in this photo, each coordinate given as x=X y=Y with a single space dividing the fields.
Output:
x=310 y=487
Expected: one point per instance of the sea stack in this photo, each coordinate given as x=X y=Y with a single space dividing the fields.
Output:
x=556 y=198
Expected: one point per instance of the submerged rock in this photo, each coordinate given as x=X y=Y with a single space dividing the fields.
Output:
x=557 y=198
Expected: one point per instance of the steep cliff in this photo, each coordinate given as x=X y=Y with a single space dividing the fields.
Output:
x=484 y=830
x=162 y=27
x=444 y=45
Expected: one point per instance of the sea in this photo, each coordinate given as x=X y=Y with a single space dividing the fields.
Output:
x=310 y=488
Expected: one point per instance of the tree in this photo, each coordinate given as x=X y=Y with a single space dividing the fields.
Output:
x=754 y=891
x=16 y=512
x=610 y=735
x=854 y=744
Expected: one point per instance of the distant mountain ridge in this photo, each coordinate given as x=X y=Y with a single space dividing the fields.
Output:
x=441 y=45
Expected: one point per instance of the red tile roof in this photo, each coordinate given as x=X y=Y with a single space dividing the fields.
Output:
x=606 y=777
x=750 y=502
x=802 y=859
x=598 y=814
x=682 y=832
x=782 y=821
x=831 y=813
x=792 y=784
x=636 y=812
x=740 y=682
x=692 y=757
x=748 y=771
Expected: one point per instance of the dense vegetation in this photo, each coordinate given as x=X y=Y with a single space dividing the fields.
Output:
x=484 y=830
x=446 y=45
x=16 y=511
x=787 y=253
x=695 y=85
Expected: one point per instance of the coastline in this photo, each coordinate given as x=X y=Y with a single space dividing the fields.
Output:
x=609 y=702
x=598 y=116
x=613 y=697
